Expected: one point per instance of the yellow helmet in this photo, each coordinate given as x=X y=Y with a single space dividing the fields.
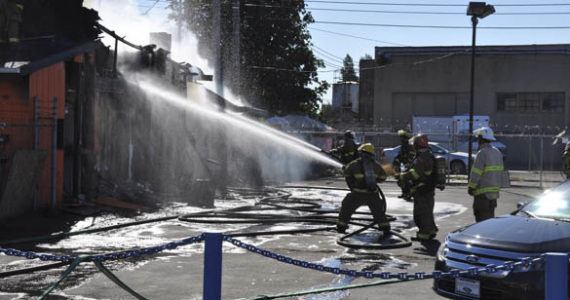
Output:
x=368 y=148
x=403 y=133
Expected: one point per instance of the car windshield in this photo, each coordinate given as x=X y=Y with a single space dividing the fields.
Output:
x=554 y=204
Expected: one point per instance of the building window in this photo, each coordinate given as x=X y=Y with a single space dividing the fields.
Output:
x=553 y=102
x=506 y=102
x=530 y=102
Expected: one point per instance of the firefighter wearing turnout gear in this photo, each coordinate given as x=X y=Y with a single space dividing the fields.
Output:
x=566 y=160
x=348 y=151
x=486 y=175
x=420 y=178
x=403 y=161
x=10 y=20
x=362 y=176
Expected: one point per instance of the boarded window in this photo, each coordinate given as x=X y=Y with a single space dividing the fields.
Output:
x=553 y=102
x=530 y=102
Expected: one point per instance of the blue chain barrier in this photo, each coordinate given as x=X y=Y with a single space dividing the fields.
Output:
x=104 y=257
x=509 y=265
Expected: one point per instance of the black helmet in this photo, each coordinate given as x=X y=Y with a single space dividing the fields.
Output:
x=349 y=135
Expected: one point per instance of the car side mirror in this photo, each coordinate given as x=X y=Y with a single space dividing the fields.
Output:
x=521 y=204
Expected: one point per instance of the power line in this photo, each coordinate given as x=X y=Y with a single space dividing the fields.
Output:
x=405 y=11
x=432 y=12
x=324 y=51
x=431 y=4
x=355 y=36
x=153 y=5
x=335 y=60
x=440 y=26
x=291 y=70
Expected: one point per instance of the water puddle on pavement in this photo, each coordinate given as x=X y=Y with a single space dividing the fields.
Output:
x=159 y=233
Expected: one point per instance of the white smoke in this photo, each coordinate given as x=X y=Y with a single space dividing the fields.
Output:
x=133 y=20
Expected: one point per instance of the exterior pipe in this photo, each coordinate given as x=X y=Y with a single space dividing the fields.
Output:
x=54 y=156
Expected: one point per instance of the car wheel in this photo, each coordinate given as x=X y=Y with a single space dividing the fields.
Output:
x=457 y=167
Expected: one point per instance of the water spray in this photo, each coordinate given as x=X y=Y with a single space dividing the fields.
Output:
x=242 y=123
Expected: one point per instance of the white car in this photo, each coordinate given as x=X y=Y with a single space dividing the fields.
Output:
x=456 y=161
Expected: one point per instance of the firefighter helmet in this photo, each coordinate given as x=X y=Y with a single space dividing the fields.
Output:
x=485 y=133
x=420 y=141
x=403 y=134
x=366 y=148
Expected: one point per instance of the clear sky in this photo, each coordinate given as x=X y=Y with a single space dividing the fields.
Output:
x=378 y=23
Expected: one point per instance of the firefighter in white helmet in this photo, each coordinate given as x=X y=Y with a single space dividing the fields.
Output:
x=486 y=175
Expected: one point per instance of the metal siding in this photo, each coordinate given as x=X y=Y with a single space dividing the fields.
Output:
x=47 y=84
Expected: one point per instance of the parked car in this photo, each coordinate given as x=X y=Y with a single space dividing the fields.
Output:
x=540 y=226
x=456 y=161
x=465 y=146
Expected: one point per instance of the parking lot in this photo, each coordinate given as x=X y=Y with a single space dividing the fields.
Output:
x=177 y=274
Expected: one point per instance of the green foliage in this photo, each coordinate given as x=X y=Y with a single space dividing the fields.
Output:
x=347 y=70
x=276 y=67
x=366 y=57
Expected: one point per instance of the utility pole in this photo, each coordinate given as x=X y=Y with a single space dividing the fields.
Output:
x=179 y=21
x=237 y=45
x=474 y=21
x=477 y=10
x=219 y=81
x=218 y=72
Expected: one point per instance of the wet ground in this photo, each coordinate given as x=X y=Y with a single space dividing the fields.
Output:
x=177 y=273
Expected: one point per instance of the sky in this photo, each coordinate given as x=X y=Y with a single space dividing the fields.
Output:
x=362 y=25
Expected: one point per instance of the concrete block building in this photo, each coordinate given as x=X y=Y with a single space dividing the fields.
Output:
x=525 y=89
x=517 y=86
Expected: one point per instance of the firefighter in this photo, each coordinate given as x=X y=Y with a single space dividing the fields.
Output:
x=420 y=179
x=10 y=20
x=348 y=151
x=486 y=175
x=566 y=160
x=362 y=176
x=403 y=161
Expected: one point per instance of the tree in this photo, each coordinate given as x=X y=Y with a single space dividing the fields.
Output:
x=276 y=64
x=347 y=70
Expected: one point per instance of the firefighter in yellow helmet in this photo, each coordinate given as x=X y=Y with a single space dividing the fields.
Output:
x=362 y=176
x=10 y=20
x=422 y=188
x=348 y=151
x=485 y=179
x=403 y=161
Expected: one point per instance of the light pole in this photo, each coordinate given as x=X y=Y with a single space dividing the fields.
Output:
x=477 y=10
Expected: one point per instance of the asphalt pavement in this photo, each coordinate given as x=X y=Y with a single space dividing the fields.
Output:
x=178 y=273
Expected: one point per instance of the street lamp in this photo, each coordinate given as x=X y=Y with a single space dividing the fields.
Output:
x=477 y=10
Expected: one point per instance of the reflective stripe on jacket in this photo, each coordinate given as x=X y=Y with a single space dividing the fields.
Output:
x=347 y=152
x=486 y=173
x=354 y=175
x=420 y=173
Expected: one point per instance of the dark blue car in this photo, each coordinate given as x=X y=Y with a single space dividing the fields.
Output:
x=540 y=226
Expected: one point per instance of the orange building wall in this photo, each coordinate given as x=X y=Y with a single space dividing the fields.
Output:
x=47 y=84
x=16 y=116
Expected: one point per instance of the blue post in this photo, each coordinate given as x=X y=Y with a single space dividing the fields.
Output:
x=556 y=276
x=213 y=266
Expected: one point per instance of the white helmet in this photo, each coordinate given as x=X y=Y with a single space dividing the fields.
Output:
x=485 y=132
